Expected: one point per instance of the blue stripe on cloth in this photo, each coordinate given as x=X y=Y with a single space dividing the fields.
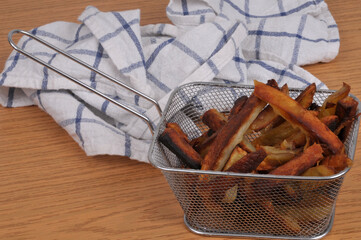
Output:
x=212 y=66
x=96 y=65
x=43 y=33
x=196 y=12
x=185 y=7
x=225 y=38
x=258 y=38
x=16 y=58
x=40 y=102
x=68 y=122
x=76 y=38
x=160 y=29
x=221 y=4
x=44 y=83
x=136 y=100
x=111 y=35
x=332 y=26
x=131 y=67
x=290 y=35
x=127 y=145
x=158 y=83
x=202 y=19
x=131 y=34
x=280 y=6
x=297 y=46
x=238 y=67
x=91 y=15
x=271 y=69
x=72 y=51
x=246 y=9
x=291 y=11
x=106 y=104
x=78 y=120
x=10 y=97
x=188 y=51
x=156 y=52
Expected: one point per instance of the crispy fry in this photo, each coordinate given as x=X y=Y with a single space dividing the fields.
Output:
x=247 y=145
x=319 y=171
x=181 y=148
x=301 y=163
x=236 y=154
x=275 y=157
x=331 y=121
x=293 y=112
x=267 y=116
x=199 y=140
x=275 y=135
x=238 y=104
x=232 y=134
x=337 y=162
x=346 y=110
x=178 y=129
x=296 y=140
x=214 y=119
x=248 y=163
x=329 y=105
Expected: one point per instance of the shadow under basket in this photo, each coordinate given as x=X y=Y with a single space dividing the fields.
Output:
x=244 y=205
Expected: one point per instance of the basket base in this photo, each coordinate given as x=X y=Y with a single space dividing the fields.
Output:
x=229 y=234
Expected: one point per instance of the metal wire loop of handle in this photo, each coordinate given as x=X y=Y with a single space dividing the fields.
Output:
x=38 y=60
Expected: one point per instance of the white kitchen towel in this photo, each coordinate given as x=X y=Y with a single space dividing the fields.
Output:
x=217 y=40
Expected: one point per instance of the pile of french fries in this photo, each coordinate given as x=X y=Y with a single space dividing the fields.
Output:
x=294 y=136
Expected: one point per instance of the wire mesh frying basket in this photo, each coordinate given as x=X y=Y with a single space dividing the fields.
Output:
x=250 y=205
x=230 y=204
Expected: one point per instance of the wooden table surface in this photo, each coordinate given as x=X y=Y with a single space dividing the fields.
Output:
x=49 y=189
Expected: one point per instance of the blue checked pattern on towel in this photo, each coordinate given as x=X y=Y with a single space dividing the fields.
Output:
x=220 y=40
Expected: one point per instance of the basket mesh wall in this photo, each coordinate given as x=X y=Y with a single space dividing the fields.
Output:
x=243 y=205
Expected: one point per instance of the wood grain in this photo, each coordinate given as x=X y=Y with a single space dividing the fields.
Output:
x=49 y=189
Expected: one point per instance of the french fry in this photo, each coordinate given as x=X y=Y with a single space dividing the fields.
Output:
x=319 y=171
x=337 y=162
x=180 y=147
x=214 y=119
x=178 y=129
x=232 y=134
x=296 y=140
x=329 y=105
x=301 y=163
x=346 y=109
x=267 y=116
x=275 y=157
x=236 y=154
x=293 y=112
x=331 y=121
x=275 y=136
x=248 y=163
x=237 y=106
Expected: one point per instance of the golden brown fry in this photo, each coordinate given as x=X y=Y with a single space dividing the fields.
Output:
x=346 y=110
x=267 y=116
x=275 y=158
x=178 y=129
x=249 y=162
x=296 y=140
x=238 y=104
x=329 y=105
x=293 y=112
x=181 y=148
x=200 y=140
x=301 y=163
x=247 y=145
x=232 y=134
x=319 y=171
x=337 y=162
x=306 y=96
x=331 y=121
x=214 y=119
x=274 y=136
x=236 y=154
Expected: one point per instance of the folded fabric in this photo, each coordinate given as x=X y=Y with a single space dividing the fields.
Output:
x=219 y=40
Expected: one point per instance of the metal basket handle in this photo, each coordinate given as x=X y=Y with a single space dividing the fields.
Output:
x=38 y=60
